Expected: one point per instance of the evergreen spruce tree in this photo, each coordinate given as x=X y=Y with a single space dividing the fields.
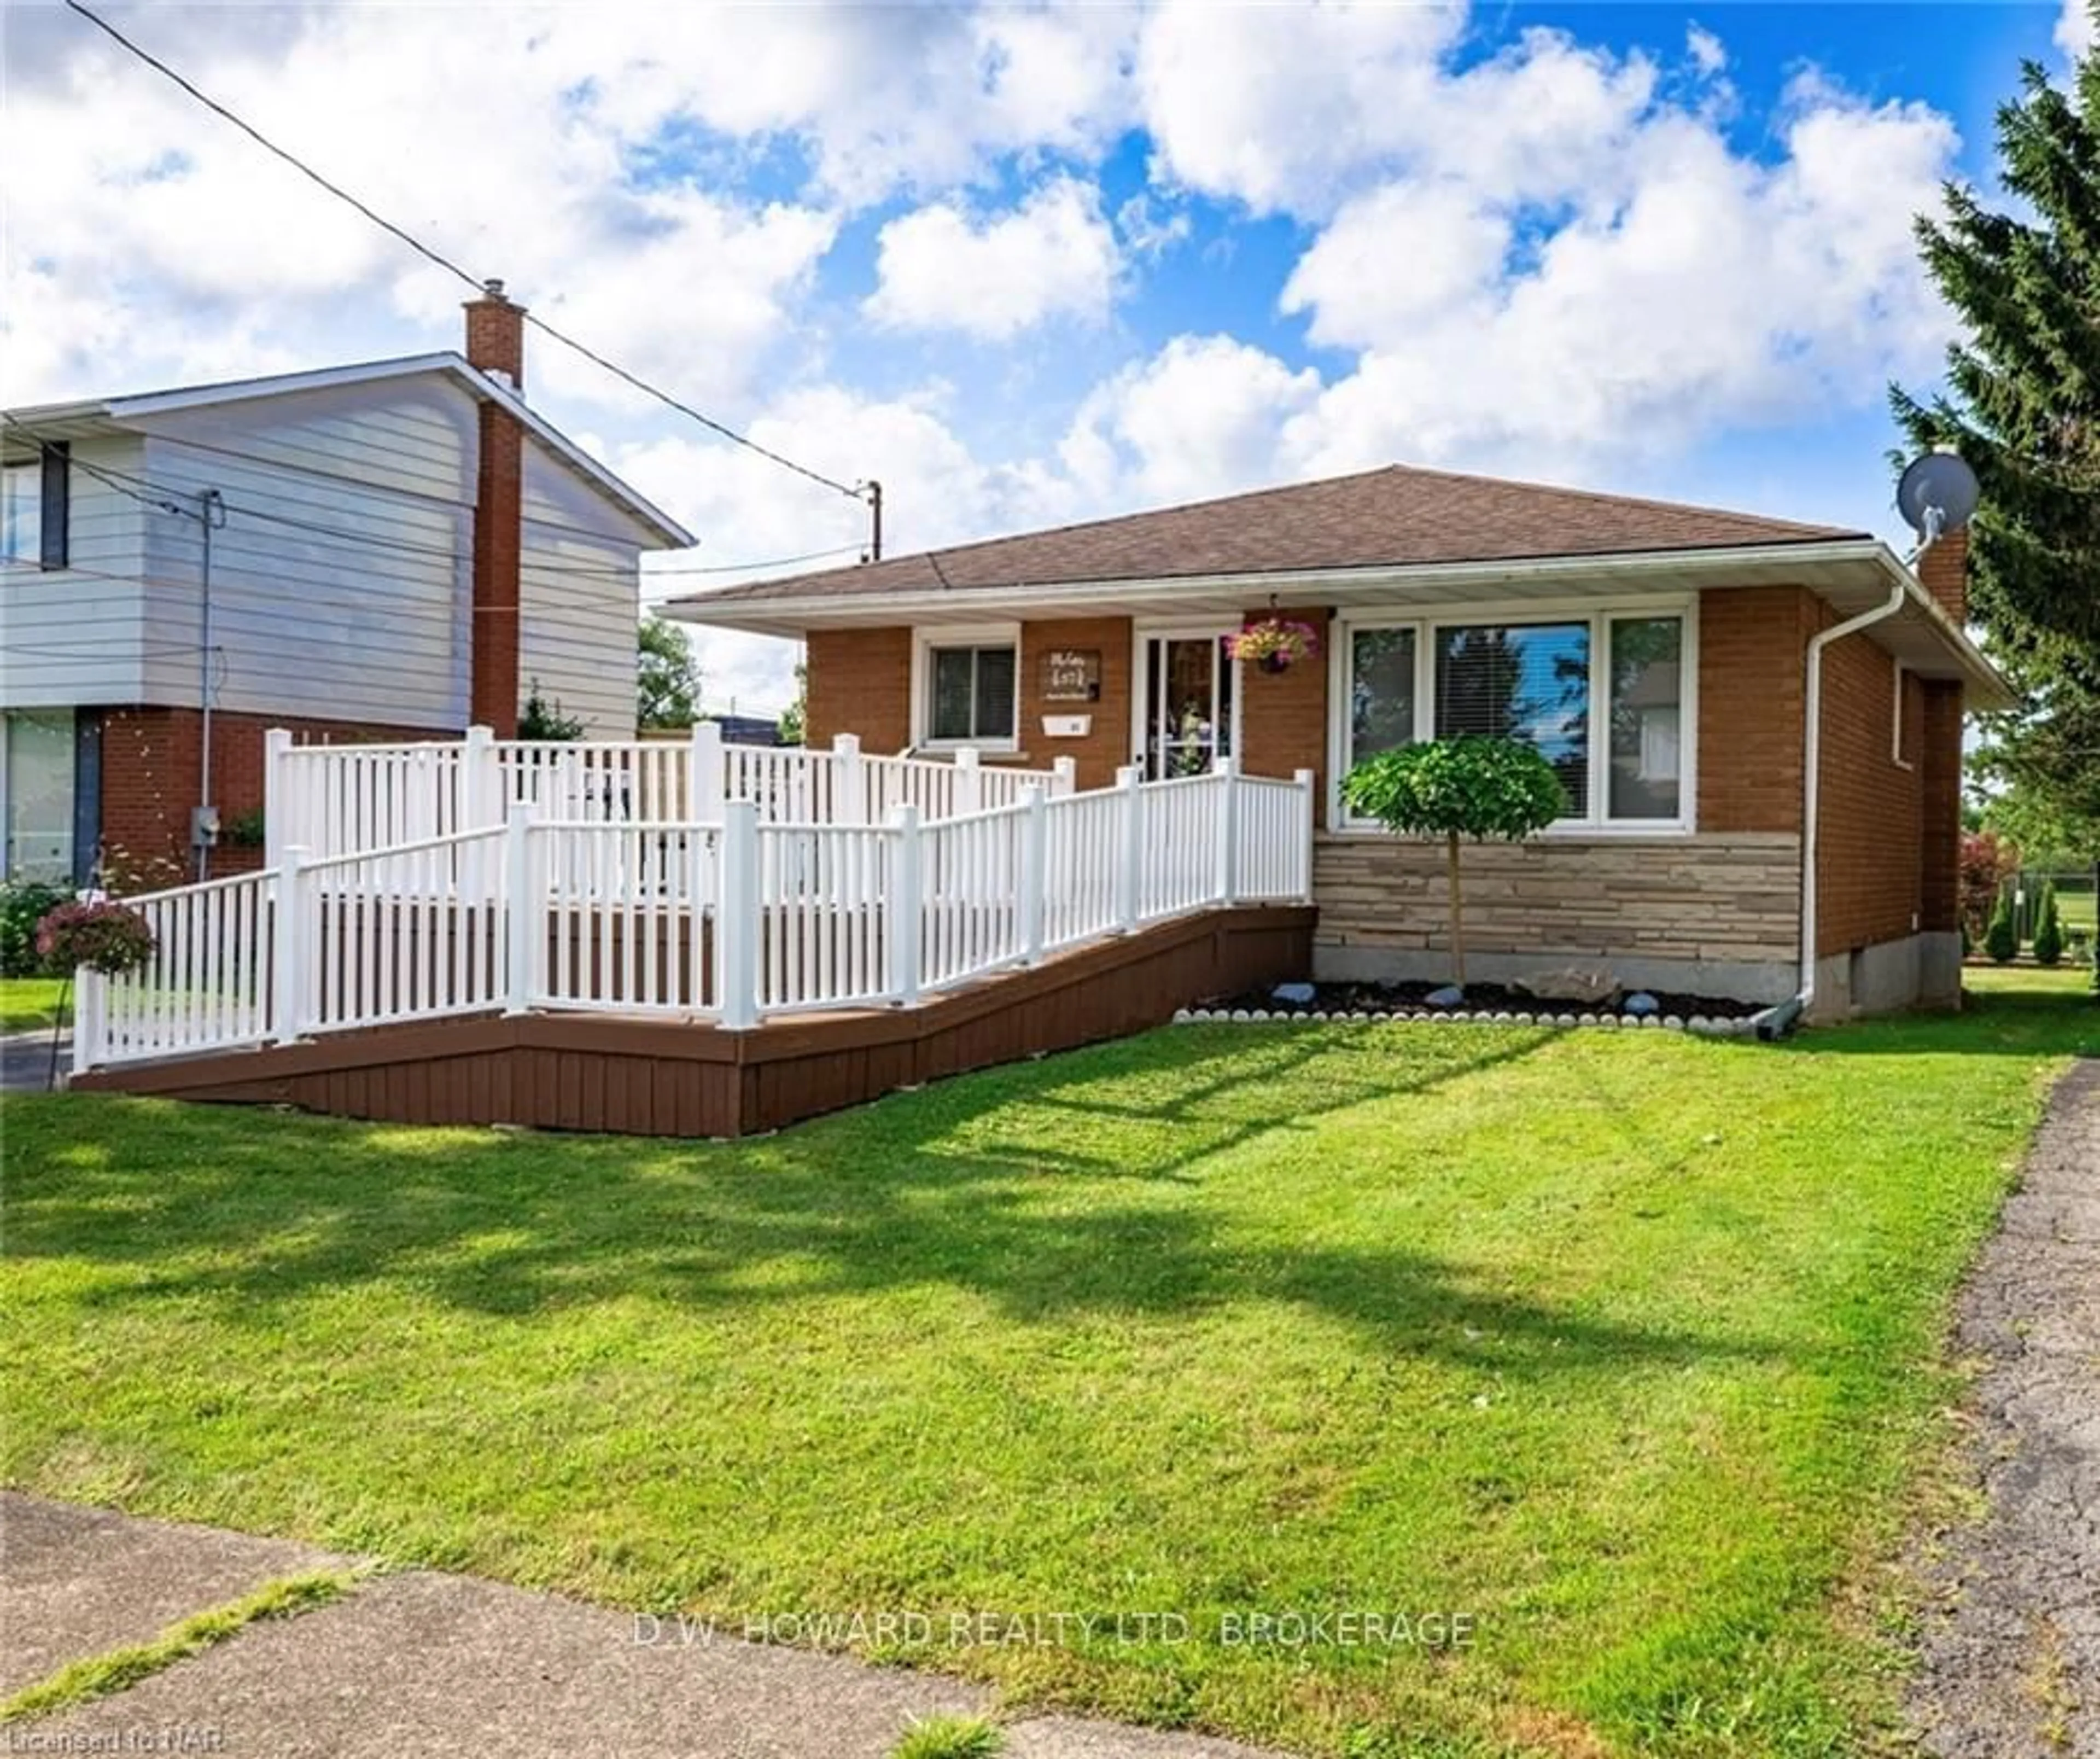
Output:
x=2022 y=404
x=2049 y=928
x=2001 y=940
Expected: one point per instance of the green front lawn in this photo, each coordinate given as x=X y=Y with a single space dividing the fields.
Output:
x=29 y=1001
x=1625 y=1349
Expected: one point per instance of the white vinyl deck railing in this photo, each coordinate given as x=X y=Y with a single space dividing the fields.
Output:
x=343 y=800
x=732 y=921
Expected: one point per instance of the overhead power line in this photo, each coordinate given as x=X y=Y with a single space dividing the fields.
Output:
x=478 y=283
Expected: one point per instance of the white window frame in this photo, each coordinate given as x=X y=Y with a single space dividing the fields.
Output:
x=31 y=471
x=924 y=640
x=1429 y=621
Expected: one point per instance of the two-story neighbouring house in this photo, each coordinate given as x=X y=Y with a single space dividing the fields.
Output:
x=394 y=550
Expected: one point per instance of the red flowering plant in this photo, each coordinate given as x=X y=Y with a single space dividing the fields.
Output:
x=1275 y=643
x=105 y=937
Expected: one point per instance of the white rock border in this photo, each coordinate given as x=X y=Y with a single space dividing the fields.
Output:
x=1698 y=1025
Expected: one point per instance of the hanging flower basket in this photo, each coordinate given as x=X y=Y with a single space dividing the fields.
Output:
x=1275 y=644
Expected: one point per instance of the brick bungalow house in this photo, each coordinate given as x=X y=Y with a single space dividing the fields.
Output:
x=1660 y=656
x=398 y=549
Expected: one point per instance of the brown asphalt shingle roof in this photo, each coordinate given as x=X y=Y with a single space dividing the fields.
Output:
x=1392 y=516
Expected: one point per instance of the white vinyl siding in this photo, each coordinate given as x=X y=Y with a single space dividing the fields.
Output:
x=77 y=635
x=580 y=586
x=343 y=575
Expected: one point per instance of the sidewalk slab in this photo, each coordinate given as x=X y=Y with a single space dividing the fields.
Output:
x=80 y=1582
x=426 y=1663
x=421 y=1663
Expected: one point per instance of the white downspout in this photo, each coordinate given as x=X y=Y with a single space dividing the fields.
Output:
x=1775 y=1021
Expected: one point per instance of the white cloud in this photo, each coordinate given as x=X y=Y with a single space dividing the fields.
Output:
x=1296 y=108
x=146 y=199
x=1205 y=416
x=1709 y=54
x=1052 y=257
x=1396 y=258
x=2076 y=30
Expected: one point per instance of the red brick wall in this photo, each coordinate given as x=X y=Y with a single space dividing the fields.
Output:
x=150 y=759
x=860 y=683
x=1940 y=805
x=1753 y=641
x=1283 y=715
x=1868 y=880
x=1107 y=745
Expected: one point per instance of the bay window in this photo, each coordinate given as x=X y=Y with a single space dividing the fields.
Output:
x=1601 y=696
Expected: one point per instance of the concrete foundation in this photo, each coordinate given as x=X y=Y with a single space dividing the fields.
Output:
x=1917 y=971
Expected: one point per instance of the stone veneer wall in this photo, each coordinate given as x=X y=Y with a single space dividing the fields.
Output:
x=1712 y=914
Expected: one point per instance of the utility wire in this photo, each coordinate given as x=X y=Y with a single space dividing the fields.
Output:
x=476 y=282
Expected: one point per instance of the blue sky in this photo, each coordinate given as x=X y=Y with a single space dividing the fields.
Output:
x=1030 y=265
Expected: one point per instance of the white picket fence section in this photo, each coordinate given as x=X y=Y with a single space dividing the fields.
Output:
x=341 y=800
x=734 y=920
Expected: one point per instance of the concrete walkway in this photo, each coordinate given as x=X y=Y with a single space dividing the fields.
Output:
x=2010 y=1662
x=425 y=1664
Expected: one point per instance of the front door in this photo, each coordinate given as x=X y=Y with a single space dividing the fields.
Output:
x=1184 y=703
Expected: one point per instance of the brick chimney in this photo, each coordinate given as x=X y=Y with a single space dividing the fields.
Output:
x=1944 y=571
x=495 y=343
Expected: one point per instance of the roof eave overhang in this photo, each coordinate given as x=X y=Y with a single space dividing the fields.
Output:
x=1850 y=573
x=1660 y=571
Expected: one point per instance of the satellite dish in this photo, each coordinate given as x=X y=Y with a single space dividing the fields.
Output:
x=1938 y=494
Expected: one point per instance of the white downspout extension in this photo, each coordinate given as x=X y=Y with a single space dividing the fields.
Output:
x=1811 y=780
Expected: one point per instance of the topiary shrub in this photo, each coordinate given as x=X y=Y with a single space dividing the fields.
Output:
x=24 y=903
x=1457 y=788
x=2049 y=928
x=2001 y=940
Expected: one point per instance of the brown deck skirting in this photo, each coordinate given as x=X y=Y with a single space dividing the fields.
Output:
x=649 y=1077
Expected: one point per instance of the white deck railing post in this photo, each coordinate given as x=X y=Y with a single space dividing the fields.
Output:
x=1064 y=777
x=704 y=793
x=289 y=1001
x=1226 y=775
x=521 y=912
x=848 y=780
x=900 y=922
x=1308 y=820
x=277 y=806
x=90 y=1014
x=739 y=921
x=481 y=802
x=1035 y=871
x=1129 y=847
x=969 y=782
x=699 y=867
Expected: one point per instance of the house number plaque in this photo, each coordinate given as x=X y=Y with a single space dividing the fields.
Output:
x=1072 y=674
